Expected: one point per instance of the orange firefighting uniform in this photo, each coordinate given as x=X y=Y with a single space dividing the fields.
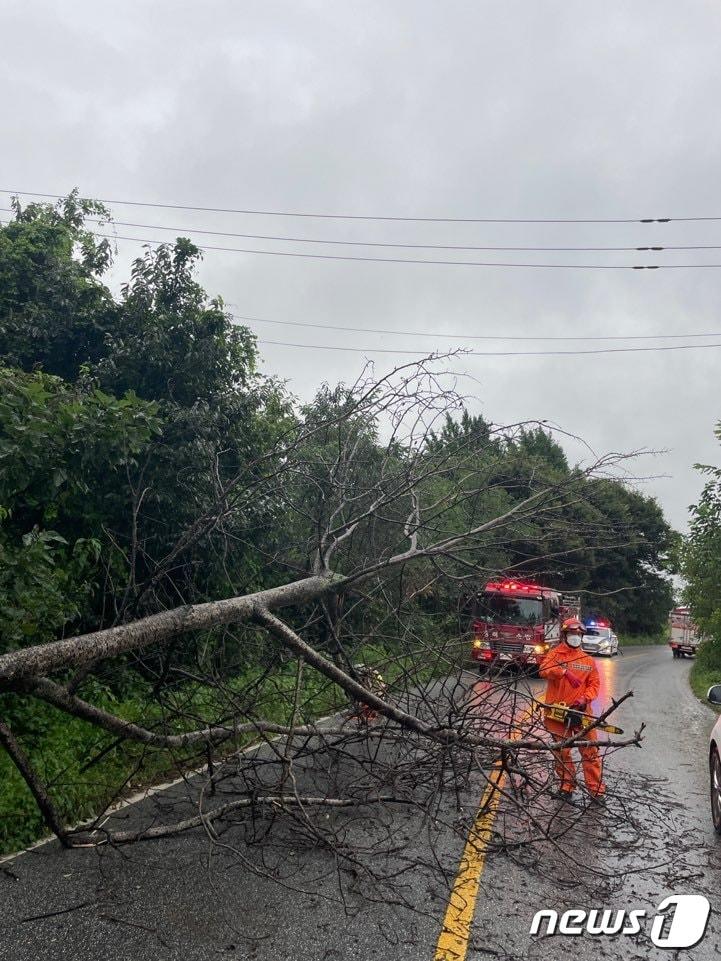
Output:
x=554 y=667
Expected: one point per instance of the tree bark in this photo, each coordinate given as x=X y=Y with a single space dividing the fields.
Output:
x=37 y=788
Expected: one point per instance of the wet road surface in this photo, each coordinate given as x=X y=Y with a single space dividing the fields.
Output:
x=183 y=898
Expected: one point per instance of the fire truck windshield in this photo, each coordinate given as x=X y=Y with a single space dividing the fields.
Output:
x=499 y=609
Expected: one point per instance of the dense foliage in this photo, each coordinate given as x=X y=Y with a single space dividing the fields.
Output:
x=612 y=544
x=65 y=454
x=701 y=566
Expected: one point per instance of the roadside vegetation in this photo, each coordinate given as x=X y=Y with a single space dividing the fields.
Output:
x=90 y=771
x=645 y=640
x=701 y=567
x=146 y=464
x=702 y=678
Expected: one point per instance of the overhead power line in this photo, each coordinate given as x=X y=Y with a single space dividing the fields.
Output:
x=409 y=260
x=325 y=241
x=514 y=337
x=494 y=353
x=377 y=217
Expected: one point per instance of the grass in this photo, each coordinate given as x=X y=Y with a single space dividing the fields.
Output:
x=86 y=769
x=642 y=639
x=701 y=679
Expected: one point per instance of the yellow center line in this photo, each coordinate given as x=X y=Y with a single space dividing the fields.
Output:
x=455 y=934
x=453 y=941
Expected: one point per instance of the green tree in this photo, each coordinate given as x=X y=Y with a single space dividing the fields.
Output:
x=701 y=564
x=170 y=342
x=165 y=341
x=54 y=309
x=602 y=537
x=67 y=456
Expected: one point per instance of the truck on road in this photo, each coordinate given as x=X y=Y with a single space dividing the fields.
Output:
x=513 y=623
x=684 y=637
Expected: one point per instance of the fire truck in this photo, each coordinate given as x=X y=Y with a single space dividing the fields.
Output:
x=684 y=637
x=514 y=623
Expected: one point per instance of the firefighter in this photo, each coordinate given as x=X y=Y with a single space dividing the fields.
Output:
x=573 y=680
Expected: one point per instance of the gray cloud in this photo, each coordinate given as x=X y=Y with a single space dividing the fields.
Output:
x=460 y=108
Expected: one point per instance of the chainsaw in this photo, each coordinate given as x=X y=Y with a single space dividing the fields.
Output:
x=576 y=720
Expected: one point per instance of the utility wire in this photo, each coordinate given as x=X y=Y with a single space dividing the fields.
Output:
x=186 y=230
x=494 y=353
x=425 y=333
x=408 y=260
x=602 y=350
x=380 y=217
x=455 y=263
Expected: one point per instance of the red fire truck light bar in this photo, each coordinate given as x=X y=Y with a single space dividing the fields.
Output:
x=511 y=586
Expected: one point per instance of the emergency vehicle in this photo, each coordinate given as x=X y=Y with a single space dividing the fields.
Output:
x=599 y=637
x=684 y=637
x=513 y=622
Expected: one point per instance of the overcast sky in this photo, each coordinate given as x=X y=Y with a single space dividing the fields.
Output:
x=420 y=108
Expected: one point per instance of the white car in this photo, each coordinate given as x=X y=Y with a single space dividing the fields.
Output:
x=599 y=640
x=714 y=760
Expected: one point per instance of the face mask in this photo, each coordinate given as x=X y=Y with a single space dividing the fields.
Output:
x=573 y=640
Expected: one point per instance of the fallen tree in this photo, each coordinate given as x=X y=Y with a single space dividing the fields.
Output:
x=375 y=516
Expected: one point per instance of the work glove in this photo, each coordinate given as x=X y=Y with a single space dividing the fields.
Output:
x=572 y=679
x=574 y=719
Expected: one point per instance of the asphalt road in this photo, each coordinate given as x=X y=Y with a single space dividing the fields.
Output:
x=182 y=898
